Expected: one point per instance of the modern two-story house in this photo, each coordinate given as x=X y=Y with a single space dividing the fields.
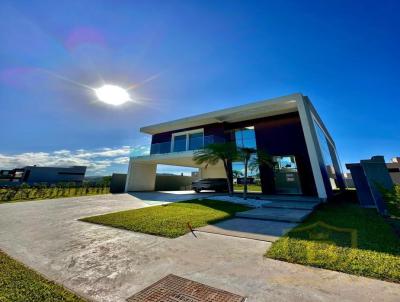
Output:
x=287 y=128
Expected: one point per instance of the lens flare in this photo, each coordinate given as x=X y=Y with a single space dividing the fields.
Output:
x=112 y=94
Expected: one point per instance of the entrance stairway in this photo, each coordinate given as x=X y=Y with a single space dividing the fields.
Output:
x=276 y=217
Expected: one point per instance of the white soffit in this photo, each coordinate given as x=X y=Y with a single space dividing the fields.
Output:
x=255 y=110
x=183 y=159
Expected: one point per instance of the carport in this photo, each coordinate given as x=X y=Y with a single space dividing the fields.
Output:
x=142 y=169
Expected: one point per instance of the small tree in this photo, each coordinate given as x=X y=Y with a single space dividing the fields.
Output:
x=237 y=173
x=106 y=181
x=213 y=153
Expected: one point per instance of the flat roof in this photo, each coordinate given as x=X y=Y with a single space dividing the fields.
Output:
x=270 y=107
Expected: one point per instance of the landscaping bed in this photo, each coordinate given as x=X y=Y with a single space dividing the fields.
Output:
x=170 y=220
x=343 y=237
x=21 y=284
x=25 y=193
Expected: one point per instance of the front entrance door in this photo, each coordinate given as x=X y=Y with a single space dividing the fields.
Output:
x=286 y=175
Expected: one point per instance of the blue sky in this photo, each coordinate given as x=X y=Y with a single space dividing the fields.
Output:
x=198 y=56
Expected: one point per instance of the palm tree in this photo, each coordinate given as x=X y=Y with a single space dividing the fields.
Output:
x=213 y=153
x=237 y=173
x=252 y=159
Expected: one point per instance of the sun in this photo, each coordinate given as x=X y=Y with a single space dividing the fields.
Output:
x=112 y=94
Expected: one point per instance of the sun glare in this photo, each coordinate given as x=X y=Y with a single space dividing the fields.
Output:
x=112 y=94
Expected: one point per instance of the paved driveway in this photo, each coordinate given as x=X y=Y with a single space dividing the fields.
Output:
x=107 y=264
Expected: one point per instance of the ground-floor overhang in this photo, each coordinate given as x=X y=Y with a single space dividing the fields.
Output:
x=142 y=170
x=184 y=159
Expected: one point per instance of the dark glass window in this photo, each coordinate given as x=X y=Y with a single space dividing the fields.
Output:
x=180 y=143
x=246 y=138
x=196 y=141
x=327 y=156
x=165 y=147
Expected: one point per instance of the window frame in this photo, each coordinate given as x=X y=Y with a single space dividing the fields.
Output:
x=187 y=134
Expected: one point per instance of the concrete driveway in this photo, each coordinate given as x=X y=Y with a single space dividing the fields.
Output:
x=107 y=264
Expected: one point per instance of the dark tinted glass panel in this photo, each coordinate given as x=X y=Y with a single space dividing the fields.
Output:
x=180 y=143
x=165 y=147
x=160 y=148
x=245 y=138
x=326 y=154
x=195 y=141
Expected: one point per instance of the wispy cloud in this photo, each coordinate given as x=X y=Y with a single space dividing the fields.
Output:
x=96 y=160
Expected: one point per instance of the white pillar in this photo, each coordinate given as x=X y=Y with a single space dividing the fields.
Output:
x=312 y=144
x=141 y=176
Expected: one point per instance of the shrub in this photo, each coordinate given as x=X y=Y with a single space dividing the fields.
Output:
x=392 y=198
x=43 y=191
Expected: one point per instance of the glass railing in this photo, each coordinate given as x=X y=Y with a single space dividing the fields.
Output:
x=160 y=148
x=196 y=143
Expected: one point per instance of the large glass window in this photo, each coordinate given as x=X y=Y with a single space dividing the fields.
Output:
x=327 y=156
x=285 y=163
x=180 y=143
x=195 y=141
x=245 y=138
x=286 y=176
x=191 y=140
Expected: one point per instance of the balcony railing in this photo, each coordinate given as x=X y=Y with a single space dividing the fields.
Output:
x=193 y=144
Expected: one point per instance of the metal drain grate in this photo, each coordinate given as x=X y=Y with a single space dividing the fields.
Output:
x=177 y=289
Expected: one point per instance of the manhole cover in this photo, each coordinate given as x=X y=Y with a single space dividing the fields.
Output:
x=177 y=289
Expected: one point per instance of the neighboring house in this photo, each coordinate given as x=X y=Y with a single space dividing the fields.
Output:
x=370 y=176
x=287 y=128
x=394 y=170
x=49 y=175
x=348 y=180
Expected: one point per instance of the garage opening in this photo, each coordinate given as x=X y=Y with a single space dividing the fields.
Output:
x=175 y=178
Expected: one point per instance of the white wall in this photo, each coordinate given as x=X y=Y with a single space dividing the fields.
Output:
x=141 y=177
x=212 y=172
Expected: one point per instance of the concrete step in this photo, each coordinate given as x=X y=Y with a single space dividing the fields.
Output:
x=311 y=199
x=298 y=205
x=276 y=214
x=250 y=228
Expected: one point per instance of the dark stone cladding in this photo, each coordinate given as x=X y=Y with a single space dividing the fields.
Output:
x=276 y=135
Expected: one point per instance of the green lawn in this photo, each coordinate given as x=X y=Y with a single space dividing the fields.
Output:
x=20 y=284
x=250 y=188
x=373 y=251
x=170 y=220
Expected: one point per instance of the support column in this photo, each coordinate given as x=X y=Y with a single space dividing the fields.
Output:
x=312 y=144
x=141 y=176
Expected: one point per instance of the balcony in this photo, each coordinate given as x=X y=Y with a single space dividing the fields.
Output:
x=183 y=144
